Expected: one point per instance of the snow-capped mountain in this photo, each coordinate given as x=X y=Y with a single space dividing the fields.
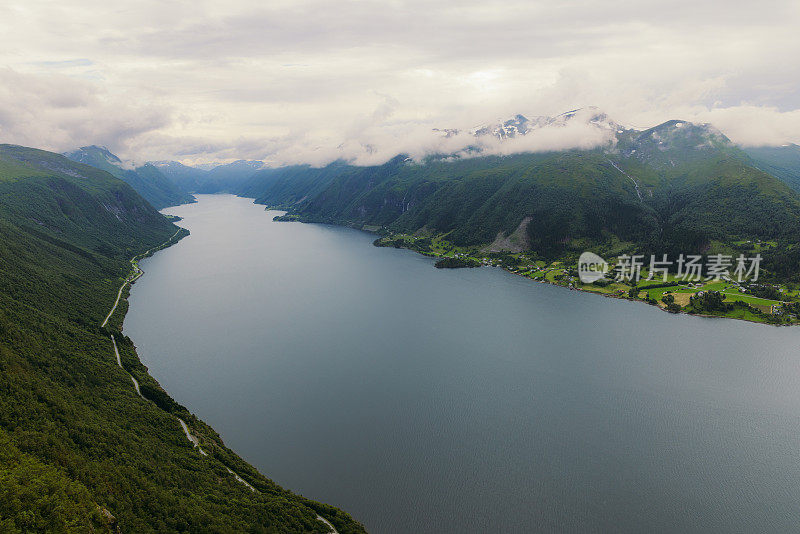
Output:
x=663 y=145
x=673 y=141
x=520 y=125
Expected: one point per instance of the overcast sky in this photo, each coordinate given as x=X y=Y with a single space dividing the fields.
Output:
x=310 y=81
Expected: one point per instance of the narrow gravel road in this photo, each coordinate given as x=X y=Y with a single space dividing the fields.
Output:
x=119 y=362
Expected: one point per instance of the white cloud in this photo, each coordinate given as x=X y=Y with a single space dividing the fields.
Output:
x=312 y=80
x=59 y=112
x=751 y=125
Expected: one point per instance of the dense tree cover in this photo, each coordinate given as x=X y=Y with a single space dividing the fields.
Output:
x=146 y=180
x=715 y=303
x=669 y=301
x=38 y=497
x=782 y=263
x=290 y=185
x=456 y=263
x=673 y=189
x=780 y=161
x=764 y=291
x=182 y=176
x=720 y=199
x=709 y=301
x=79 y=450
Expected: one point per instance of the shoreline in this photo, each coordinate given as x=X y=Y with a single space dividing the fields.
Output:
x=662 y=308
x=193 y=439
x=542 y=280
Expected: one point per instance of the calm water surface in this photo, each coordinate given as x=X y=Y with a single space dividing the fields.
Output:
x=434 y=401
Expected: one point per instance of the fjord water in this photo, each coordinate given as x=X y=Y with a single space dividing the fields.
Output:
x=472 y=400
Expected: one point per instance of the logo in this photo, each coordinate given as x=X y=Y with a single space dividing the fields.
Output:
x=591 y=267
x=691 y=267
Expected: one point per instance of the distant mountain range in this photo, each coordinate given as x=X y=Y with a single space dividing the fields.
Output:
x=73 y=432
x=146 y=179
x=677 y=187
x=220 y=178
x=168 y=183
x=519 y=125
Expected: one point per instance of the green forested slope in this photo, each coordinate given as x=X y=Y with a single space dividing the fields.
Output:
x=147 y=180
x=781 y=161
x=79 y=450
x=182 y=176
x=229 y=177
x=674 y=187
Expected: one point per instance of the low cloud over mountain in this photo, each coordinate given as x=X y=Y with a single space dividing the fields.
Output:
x=315 y=80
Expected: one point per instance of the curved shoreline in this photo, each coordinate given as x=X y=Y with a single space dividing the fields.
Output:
x=544 y=280
x=373 y=230
x=137 y=273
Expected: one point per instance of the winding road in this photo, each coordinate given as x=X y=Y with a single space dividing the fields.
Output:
x=333 y=529
x=119 y=294
x=240 y=479
x=137 y=272
x=119 y=362
x=195 y=441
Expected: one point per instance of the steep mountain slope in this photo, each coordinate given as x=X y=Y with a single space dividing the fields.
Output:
x=676 y=186
x=288 y=185
x=221 y=178
x=80 y=451
x=675 y=143
x=182 y=176
x=147 y=180
x=473 y=200
x=229 y=177
x=780 y=161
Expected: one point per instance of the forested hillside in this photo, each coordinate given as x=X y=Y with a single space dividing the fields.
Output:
x=780 y=161
x=227 y=178
x=674 y=187
x=80 y=451
x=146 y=179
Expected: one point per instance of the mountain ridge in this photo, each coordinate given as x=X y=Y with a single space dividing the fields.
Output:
x=226 y=177
x=676 y=185
x=145 y=179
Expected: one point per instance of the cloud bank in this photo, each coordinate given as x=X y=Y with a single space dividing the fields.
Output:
x=311 y=81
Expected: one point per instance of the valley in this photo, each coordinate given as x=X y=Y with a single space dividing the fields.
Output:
x=675 y=189
x=464 y=400
x=318 y=267
x=89 y=440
